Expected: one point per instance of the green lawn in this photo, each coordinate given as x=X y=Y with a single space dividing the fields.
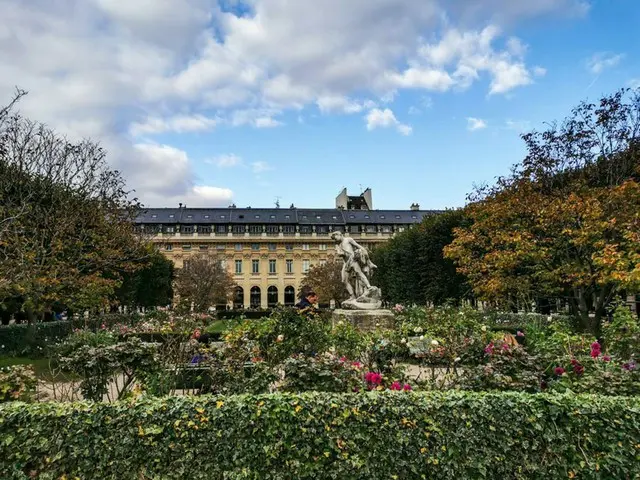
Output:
x=40 y=366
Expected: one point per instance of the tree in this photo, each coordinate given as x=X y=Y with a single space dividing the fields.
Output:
x=67 y=220
x=412 y=268
x=326 y=280
x=151 y=286
x=566 y=221
x=204 y=282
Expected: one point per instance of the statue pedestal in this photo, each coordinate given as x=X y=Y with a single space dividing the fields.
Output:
x=364 y=320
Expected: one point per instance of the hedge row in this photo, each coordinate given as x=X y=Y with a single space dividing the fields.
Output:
x=24 y=339
x=355 y=436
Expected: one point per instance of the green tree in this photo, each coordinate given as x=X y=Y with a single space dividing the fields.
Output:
x=412 y=268
x=326 y=280
x=66 y=220
x=151 y=285
x=203 y=282
x=565 y=222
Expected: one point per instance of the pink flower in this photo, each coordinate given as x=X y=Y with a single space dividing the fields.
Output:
x=406 y=387
x=398 y=308
x=103 y=326
x=396 y=386
x=520 y=334
x=558 y=371
x=356 y=365
x=343 y=359
x=196 y=334
x=489 y=349
x=606 y=358
x=595 y=350
x=505 y=347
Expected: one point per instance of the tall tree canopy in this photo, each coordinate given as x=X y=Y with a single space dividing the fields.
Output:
x=203 y=282
x=566 y=222
x=326 y=280
x=412 y=268
x=151 y=285
x=66 y=219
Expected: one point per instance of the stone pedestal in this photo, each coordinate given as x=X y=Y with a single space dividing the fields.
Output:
x=364 y=320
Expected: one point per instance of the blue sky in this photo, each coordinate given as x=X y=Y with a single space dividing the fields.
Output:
x=245 y=102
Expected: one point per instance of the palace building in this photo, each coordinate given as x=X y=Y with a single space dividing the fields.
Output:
x=269 y=250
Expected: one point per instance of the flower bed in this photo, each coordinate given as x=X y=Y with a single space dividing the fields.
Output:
x=374 y=435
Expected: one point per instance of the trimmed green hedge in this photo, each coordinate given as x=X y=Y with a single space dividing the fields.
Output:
x=24 y=339
x=355 y=436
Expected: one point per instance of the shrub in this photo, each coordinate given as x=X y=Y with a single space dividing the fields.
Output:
x=622 y=334
x=31 y=340
x=17 y=382
x=324 y=373
x=322 y=436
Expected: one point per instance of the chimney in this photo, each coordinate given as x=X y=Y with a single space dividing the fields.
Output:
x=415 y=207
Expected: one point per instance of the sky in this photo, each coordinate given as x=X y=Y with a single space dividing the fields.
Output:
x=250 y=102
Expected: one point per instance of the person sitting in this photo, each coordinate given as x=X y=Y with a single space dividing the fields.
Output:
x=308 y=301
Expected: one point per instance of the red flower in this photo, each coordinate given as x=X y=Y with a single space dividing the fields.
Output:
x=595 y=350
x=373 y=379
x=606 y=358
x=489 y=349
x=558 y=371
x=406 y=387
x=396 y=386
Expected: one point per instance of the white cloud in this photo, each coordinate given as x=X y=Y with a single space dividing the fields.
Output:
x=602 y=61
x=414 y=110
x=260 y=166
x=178 y=124
x=539 y=71
x=378 y=118
x=474 y=124
x=229 y=160
x=115 y=70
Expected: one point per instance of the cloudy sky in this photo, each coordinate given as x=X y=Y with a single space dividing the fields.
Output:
x=207 y=102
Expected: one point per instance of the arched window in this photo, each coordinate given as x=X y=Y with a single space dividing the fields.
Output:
x=238 y=297
x=272 y=296
x=289 y=296
x=255 y=297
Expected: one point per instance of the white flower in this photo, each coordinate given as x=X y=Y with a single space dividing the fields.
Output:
x=457 y=359
x=417 y=330
x=340 y=322
x=421 y=337
x=434 y=343
x=549 y=318
x=484 y=328
x=280 y=337
x=332 y=349
x=377 y=325
x=403 y=341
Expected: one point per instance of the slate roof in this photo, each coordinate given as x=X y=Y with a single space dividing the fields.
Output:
x=302 y=216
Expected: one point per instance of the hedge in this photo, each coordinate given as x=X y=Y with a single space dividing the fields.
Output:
x=385 y=435
x=25 y=339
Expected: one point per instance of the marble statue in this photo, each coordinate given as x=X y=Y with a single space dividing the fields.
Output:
x=356 y=274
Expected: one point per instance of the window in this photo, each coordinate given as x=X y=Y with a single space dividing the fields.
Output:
x=272 y=217
x=204 y=247
x=255 y=246
x=371 y=229
x=255 y=266
x=254 y=297
x=323 y=261
x=186 y=246
x=386 y=229
x=305 y=246
x=272 y=229
x=204 y=229
x=288 y=247
x=221 y=229
x=189 y=217
x=382 y=217
x=272 y=266
x=318 y=217
x=289 y=266
x=238 y=267
x=168 y=247
x=187 y=229
x=171 y=215
x=289 y=229
x=154 y=216
x=169 y=229
x=238 y=229
x=354 y=229
x=398 y=216
x=206 y=217
x=272 y=296
x=322 y=246
x=304 y=217
x=305 y=266
x=414 y=216
x=306 y=229
x=272 y=247
x=257 y=216
x=367 y=216
x=289 y=296
x=223 y=216
x=335 y=217
x=255 y=228
x=287 y=217
x=238 y=247
x=322 y=229
x=221 y=246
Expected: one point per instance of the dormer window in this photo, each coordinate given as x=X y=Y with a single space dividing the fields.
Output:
x=318 y=217
x=272 y=217
x=398 y=216
x=171 y=215
x=257 y=216
x=382 y=217
x=154 y=216
x=366 y=216
x=206 y=217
